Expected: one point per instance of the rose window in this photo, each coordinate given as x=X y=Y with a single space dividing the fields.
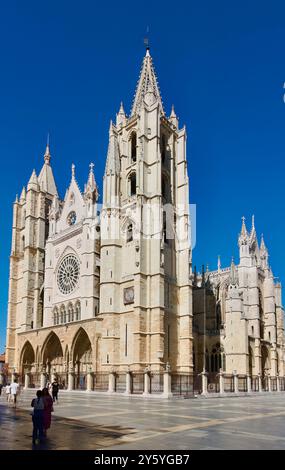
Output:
x=68 y=274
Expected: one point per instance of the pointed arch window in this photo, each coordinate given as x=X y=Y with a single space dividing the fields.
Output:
x=132 y=184
x=163 y=148
x=134 y=147
x=77 y=312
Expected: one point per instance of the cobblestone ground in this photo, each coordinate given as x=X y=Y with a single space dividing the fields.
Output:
x=84 y=420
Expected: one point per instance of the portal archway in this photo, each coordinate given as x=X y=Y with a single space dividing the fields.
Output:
x=81 y=353
x=52 y=356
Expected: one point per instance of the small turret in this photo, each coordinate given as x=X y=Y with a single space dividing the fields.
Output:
x=33 y=182
x=173 y=118
x=121 y=116
x=23 y=195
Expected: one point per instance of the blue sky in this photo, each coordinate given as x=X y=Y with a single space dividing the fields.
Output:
x=66 y=65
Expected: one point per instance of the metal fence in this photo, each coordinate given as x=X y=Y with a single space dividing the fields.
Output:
x=255 y=383
x=213 y=383
x=242 y=383
x=229 y=383
x=101 y=382
x=264 y=384
x=120 y=382
x=273 y=383
x=137 y=382
x=182 y=384
x=156 y=383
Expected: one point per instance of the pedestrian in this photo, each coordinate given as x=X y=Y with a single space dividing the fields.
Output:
x=48 y=409
x=55 y=388
x=1 y=386
x=8 y=392
x=38 y=417
x=14 y=390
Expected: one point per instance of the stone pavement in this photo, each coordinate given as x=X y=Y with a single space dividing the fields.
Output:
x=117 y=422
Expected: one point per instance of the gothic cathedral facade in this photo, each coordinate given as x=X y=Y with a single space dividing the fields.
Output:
x=94 y=291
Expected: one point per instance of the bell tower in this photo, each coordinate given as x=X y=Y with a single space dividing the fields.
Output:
x=146 y=293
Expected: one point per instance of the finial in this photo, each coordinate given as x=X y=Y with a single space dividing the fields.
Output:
x=47 y=152
x=219 y=263
x=73 y=170
x=252 y=222
x=91 y=166
x=146 y=41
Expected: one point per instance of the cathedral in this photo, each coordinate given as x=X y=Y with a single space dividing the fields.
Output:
x=109 y=291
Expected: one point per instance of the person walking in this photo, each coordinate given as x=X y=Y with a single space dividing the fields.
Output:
x=1 y=386
x=8 y=392
x=55 y=388
x=48 y=409
x=14 y=390
x=38 y=417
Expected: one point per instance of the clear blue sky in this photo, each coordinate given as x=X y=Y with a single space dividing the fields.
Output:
x=66 y=65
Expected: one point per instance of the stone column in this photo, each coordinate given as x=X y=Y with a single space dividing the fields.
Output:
x=278 y=382
x=269 y=383
x=167 y=382
x=27 y=380
x=43 y=380
x=128 y=382
x=89 y=385
x=259 y=383
x=235 y=381
x=146 y=382
x=111 y=388
x=221 y=381
x=70 y=378
x=204 y=382
x=248 y=379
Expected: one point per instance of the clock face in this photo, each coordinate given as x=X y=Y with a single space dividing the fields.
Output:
x=129 y=295
x=71 y=218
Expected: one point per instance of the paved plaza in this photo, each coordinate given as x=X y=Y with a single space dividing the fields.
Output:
x=117 y=422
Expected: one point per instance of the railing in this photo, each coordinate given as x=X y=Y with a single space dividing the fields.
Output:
x=120 y=382
x=101 y=382
x=242 y=383
x=229 y=383
x=137 y=382
x=182 y=384
x=254 y=383
x=178 y=384
x=156 y=383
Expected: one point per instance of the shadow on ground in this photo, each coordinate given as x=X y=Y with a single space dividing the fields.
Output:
x=65 y=434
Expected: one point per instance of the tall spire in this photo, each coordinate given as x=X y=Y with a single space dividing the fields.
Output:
x=147 y=85
x=253 y=231
x=121 y=115
x=219 y=263
x=46 y=178
x=113 y=156
x=233 y=279
x=243 y=237
x=91 y=186
x=47 y=152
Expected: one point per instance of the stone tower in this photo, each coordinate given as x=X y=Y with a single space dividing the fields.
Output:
x=29 y=234
x=145 y=289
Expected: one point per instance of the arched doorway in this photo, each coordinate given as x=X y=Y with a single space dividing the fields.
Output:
x=52 y=357
x=27 y=364
x=82 y=358
x=265 y=366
